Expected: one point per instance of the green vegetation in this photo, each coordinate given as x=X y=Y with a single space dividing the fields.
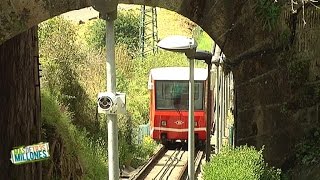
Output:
x=75 y=76
x=60 y=57
x=78 y=150
x=171 y=23
x=73 y=64
x=308 y=149
x=268 y=13
x=143 y=152
x=203 y=39
x=240 y=163
x=126 y=31
x=304 y=162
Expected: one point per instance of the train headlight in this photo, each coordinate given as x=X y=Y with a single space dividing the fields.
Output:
x=163 y=123
x=195 y=124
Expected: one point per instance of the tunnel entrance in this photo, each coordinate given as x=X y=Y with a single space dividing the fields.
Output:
x=275 y=72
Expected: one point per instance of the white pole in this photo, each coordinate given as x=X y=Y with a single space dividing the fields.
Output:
x=209 y=111
x=221 y=107
x=223 y=87
x=191 y=122
x=217 y=124
x=113 y=155
x=227 y=103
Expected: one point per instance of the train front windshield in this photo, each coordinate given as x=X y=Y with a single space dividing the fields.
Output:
x=175 y=95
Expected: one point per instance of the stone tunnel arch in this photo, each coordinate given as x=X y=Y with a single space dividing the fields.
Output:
x=211 y=16
x=259 y=64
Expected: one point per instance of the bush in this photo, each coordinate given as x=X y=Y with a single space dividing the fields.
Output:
x=142 y=152
x=60 y=59
x=90 y=154
x=308 y=149
x=126 y=31
x=240 y=163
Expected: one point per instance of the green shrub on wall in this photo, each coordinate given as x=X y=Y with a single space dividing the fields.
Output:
x=239 y=163
x=268 y=12
x=308 y=149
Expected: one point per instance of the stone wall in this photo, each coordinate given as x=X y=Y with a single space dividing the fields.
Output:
x=278 y=93
x=19 y=103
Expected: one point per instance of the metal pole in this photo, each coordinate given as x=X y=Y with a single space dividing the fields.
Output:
x=113 y=155
x=223 y=102
x=221 y=108
x=191 y=122
x=208 y=148
x=234 y=102
x=217 y=112
x=233 y=97
x=226 y=105
x=227 y=100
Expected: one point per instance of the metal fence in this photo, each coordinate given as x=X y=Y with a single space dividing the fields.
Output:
x=142 y=131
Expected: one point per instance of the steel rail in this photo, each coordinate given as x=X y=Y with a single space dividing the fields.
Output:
x=164 y=167
x=148 y=166
x=172 y=162
x=184 y=172
x=199 y=157
x=177 y=162
x=169 y=166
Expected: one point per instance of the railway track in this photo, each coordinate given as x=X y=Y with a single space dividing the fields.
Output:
x=168 y=164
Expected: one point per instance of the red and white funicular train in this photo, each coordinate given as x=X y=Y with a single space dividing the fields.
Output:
x=169 y=99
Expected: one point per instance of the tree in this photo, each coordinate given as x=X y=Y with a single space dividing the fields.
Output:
x=126 y=32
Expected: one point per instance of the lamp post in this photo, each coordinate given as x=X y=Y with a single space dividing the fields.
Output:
x=188 y=46
x=108 y=12
x=207 y=56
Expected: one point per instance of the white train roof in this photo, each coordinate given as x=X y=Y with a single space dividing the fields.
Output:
x=176 y=73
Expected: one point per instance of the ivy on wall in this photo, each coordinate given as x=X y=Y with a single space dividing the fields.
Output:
x=268 y=13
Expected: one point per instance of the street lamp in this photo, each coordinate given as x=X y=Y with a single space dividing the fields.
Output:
x=207 y=57
x=179 y=44
x=188 y=46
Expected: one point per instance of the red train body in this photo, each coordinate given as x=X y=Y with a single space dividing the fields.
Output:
x=169 y=95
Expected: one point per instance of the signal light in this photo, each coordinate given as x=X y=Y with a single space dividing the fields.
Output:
x=163 y=123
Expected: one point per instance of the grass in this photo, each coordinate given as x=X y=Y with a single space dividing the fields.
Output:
x=172 y=23
x=77 y=146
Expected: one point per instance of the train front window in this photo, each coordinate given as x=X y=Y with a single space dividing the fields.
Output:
x=175 y=95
